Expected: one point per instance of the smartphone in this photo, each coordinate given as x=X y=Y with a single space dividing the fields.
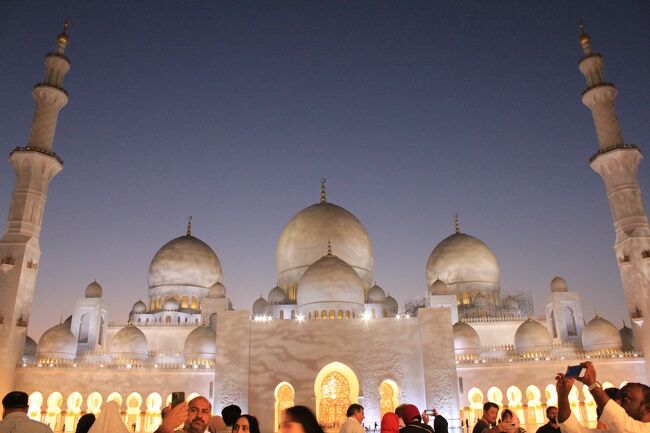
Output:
x=574 y=371
x=178 y=397
x=429 y=412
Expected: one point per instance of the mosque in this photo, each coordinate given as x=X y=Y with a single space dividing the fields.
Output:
x=462 y=343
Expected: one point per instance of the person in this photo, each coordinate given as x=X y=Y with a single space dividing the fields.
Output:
x=631 y=416
x=299 y=419
x=490 y=412
x=551 y=426
x=509 y=419
x=194 y=415
x=612 y=393
x=246 y=424
x=355 y=417
x=109 y=420
x=230 y=414
x=413 y=420
x=14 y=415
x=216 y=425
x=390 y=423
x=440 y=424
x=399 y=411
x=85 y=422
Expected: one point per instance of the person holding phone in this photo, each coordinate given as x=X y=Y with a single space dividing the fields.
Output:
x=194 y=416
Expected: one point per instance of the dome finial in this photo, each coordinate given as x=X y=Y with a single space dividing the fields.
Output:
x=329 y=248
x=585 y=39
x=323 y=195
x=456 y=223
x=189 y=226
x=596 y=312
x=62 y=38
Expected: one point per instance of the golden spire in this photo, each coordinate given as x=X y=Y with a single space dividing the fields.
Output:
x=323 y=196
x=585 y=39
x=189 y=226
x=62 y=38
x=456 y=223
x=329 y=248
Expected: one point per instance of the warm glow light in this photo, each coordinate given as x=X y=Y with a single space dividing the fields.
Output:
x=366 y=315
x=300 y=318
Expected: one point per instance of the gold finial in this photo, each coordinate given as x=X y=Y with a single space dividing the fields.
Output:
x=61 y=320
x=189 y=226
x=62 y=38
x=585 y=39
x=323 y=195
x=596 y=315
x=456 y=223
x=329 y=248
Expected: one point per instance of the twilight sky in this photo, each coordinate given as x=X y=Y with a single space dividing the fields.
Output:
x=232 y=111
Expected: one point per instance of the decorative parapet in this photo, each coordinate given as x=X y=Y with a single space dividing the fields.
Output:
x=603 y=84
x=39 y=150
x=611 y=148
x=52 y=86
x=501 y=318
x=156 y=324
x=545 y=357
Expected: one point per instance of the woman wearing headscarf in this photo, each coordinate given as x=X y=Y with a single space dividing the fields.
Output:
x=413 y=421
x=390 y=423
x=109 y=420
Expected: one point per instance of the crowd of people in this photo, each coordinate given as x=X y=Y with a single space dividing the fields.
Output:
x=619 y=411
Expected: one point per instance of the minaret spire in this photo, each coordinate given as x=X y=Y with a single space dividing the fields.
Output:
x=617 y=163
x=34 y=165
x=323 y=194
x=456 y=223
x=189 y=226
x=329 y=248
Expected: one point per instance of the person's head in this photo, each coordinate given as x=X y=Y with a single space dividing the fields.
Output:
x=246 y=424
x=85 y=422
x=490 y=412
x=612 y=393
x=506 y=416
x=410 y=413
x=199 y=412
x=551 y=414
x=635 y=399
x=399 y=411
x=355 y=411
x=15 y=401
x=230 y=414
x=299 y=419
x=216 y=424
x=389 y=423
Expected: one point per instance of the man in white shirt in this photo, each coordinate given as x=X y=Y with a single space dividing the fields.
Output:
x=632 y=416
x=355 y=417
x=14 y=415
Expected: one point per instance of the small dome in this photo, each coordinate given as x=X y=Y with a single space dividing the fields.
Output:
x=481 y=301
x=260 y=307
x=201 y=343
x=218 y=290
x=532 y=336
x=376 y=295
x=171 y=304
x=558 y=285
x=330 y=281
x=93 y=290
x=391 y=305
x=438 y=287
x=277 y=296
x=139 y=307
x=510 y=304
x=600 y=334
x=185 y=261
x=30 y=347
x=130 y=343
x=57 y=342
x=627 y=338
x=462 y=258
x=466 y=339
x=303 y=240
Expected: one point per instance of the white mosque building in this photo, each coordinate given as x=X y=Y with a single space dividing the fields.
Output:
x=187 y=337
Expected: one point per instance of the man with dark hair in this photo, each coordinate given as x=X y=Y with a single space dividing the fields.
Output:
x=230 y=414
x=551 y=426
x=440 y=424
x=14 y=415
x=632 y=416
x=194 y=415
x=355 y=417
x=487 y=423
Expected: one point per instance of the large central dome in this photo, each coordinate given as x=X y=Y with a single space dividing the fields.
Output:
x=304 y=240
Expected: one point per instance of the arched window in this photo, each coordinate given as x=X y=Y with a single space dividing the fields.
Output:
x=281 y=314
x=323 y=314
x=339 y=314
x=168 y=319
x=571 y=328
x=152 y=418
x=94 y=403
x=84 y=325
x=335 y=390
x=35 y=403
x=388 y=397
x=195 y=302
x=284 y=394
x=53 y=416
x=384 y=313
x=133 y=403
x=332 y=314
x=347 y=314
x=185 y=302
x=372 y=313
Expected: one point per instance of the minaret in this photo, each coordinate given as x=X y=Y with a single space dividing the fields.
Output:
x=617 y=163
x=35 y=165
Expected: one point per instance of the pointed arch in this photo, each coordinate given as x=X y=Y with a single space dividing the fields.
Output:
x=284 y=395
x=495 y=395
x=388 y=396
x=94 y=403
x=116 y=397
x=336 y=387
x=35 y=404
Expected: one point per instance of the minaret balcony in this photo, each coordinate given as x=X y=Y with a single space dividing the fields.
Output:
x=39 y=150
x=613 y=148
x=595 y=86
x=59 y=55
x=588 y=56
x=50 y=85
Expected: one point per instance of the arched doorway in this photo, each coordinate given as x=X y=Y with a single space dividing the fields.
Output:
x=336 y=387
x=388 y=394
x=284 y=395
